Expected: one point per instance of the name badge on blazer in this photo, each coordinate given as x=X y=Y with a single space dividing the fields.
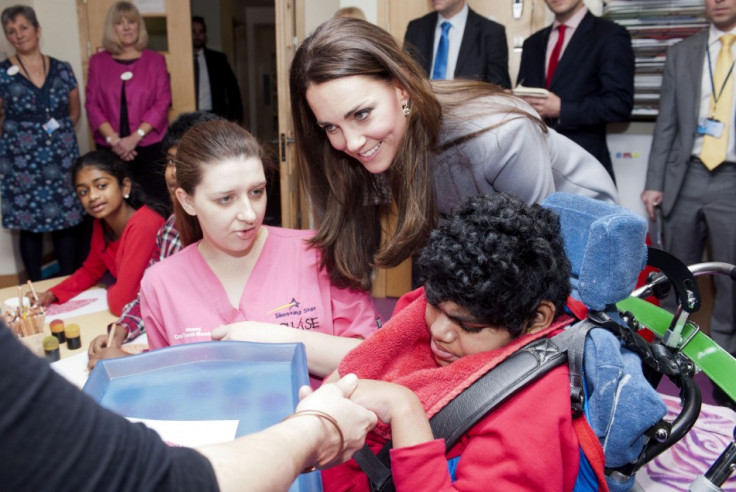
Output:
x=711 y=127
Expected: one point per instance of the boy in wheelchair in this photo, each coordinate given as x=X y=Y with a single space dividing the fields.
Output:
x=495 y=278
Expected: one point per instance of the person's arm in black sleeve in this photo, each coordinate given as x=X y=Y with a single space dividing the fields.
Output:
x=53 y=437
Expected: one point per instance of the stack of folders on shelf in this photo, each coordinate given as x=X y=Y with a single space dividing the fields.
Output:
x=654 y=25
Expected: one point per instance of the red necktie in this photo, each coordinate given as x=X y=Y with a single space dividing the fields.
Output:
x=555 y=57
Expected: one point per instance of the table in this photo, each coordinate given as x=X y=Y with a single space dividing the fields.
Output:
x=90 y=324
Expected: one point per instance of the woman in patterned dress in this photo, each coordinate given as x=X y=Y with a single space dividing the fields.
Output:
x=39 y=99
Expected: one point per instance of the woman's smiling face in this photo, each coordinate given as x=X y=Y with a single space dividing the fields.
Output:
x=362 y=117
x=127 y=31
x=22 y=34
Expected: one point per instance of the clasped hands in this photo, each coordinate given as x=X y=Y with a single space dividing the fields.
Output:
x=391 y=403
x=364 y=402
x=125 y=147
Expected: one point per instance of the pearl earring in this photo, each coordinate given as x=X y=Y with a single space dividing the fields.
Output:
x=405 y=109
x=126 y=196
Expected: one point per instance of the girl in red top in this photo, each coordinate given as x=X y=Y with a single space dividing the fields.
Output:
x=123 y=236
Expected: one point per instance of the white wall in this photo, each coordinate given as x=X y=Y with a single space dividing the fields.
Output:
x=318 y=11
x=369 y=8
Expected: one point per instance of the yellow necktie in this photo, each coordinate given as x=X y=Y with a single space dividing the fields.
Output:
x=714 y=149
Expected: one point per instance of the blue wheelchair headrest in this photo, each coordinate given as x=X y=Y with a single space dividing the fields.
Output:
x=606 y=245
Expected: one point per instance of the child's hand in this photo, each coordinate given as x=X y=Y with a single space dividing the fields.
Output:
x=385 y=399
x=106 y=353
x=398 y=406
x=353 y=420
x=44 y=298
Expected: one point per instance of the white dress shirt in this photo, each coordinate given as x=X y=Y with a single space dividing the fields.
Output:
x=455 y=38
x=571 y=25
x=204 y=98
x=706 y=92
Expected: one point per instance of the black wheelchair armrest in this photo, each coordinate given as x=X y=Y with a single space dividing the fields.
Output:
x=678 y=274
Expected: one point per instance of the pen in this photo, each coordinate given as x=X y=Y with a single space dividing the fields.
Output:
x=33 y=291
x=110 y=336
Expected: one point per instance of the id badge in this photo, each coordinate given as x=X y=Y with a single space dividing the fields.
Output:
x=51 y=126
x=711 y=127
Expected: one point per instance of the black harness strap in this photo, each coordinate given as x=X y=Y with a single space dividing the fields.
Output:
x=493 y=388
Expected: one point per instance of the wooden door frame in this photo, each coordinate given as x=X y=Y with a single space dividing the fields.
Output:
x=288 y=37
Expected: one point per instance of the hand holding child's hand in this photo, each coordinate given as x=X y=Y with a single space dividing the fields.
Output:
x=353 y=420
x=383 y=398
x=397 y=406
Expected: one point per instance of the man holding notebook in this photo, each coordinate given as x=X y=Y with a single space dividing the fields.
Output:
x=587 y=66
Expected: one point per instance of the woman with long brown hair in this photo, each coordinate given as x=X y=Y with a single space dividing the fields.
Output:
x=376 y=137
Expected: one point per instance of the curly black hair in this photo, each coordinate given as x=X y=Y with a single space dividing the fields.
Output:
x=498 y=258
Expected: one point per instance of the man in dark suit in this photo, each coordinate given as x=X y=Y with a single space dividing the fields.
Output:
x=593 y=82
x=477 y=46
x=216 y=88
x=695 y=186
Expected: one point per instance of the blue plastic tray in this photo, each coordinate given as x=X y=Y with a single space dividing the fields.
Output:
x=254 y=383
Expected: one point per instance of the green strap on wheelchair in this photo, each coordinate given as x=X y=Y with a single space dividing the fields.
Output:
x=714 y=361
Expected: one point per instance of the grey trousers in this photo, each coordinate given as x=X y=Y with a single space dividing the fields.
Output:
x=706 y=207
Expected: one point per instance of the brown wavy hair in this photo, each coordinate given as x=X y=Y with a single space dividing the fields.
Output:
x=204 y=144
x=350 y=205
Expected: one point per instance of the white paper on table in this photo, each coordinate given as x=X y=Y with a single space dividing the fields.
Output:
x=87 y=302
x=74 y=368
x=191 y=433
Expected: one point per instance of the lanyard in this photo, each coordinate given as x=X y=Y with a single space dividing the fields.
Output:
x=43 y=60
x=46 y=99
x=712 y=82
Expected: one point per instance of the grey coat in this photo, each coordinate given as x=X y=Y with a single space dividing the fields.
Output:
x=675 y=131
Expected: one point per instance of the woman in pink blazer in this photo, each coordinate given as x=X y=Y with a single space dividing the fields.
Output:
x=128 y=96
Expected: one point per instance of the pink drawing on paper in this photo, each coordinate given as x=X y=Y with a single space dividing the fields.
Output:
x=57 y=309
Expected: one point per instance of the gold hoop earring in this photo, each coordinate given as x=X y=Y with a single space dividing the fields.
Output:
x=405 y=109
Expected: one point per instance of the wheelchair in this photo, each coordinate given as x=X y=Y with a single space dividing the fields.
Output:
x=605 y=245
x=683 y=337
x=607 y=250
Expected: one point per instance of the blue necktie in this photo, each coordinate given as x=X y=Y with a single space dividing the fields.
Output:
x=440 y=61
